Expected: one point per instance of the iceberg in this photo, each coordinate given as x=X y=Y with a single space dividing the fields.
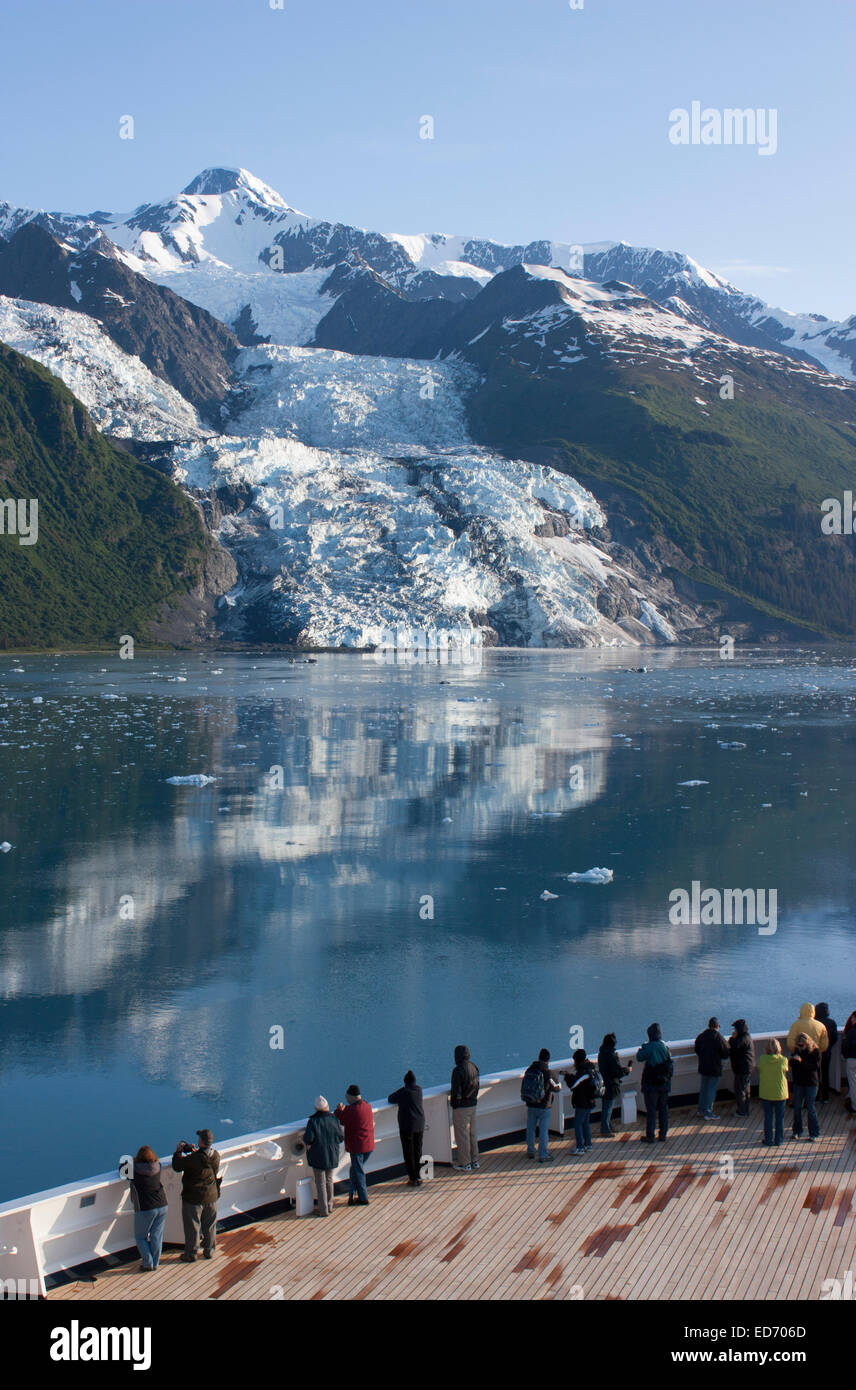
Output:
x=591 y=876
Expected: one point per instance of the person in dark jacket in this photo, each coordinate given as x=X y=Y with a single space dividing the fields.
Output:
x=805 y=1070
x=150 y=1207
x=611 y=1070
x=711 y=1050
x=323 y=1137
x=357 y=1121
x=583 y=1097
x=411 y=1126
x=821 y=1013
x=537 y=1089
x=199 y=1166
x=463 y=1099
x=741 y=1051
x=656 y=1083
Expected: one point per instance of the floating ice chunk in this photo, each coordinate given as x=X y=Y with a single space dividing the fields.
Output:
x=5 y=847
x=447 y=820
x=38 y=700
x=546 y=896
x=591 y=876
x=196 y=779
x=721 y=744
x=766 y=805
x=694 y=782
x=227 y=1122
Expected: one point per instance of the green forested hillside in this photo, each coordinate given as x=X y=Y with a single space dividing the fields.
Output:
x=116 y=539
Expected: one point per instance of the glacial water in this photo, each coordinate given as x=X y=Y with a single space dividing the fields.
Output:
x=365 y=872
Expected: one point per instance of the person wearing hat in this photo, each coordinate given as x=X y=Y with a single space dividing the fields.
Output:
x=323 y=1137
x=711 y=1050
x=741 y=1050
x=200 y=1188
x=356 y=1120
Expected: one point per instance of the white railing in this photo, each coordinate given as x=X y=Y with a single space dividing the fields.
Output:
x=82 y=1221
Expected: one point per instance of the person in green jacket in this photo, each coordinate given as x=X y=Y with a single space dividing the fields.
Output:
x=773 y=1090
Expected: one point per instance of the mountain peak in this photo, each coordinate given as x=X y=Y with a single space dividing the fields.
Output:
x=215 y=181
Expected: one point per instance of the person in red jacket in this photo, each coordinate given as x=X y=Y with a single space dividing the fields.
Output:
x=356 y=1120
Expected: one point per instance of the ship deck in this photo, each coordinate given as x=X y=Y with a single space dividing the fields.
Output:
x=628 y=1221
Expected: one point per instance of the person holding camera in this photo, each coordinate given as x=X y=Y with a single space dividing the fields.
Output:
x=199 y=1166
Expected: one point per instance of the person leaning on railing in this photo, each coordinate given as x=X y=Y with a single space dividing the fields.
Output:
x=323 y=1137
x=656 y=1083
x=806 y=1071
x=848 y=1052
x=411 y=1126
x=150 y=1207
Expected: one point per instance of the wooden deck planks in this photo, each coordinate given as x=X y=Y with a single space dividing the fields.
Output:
x=630 y=1221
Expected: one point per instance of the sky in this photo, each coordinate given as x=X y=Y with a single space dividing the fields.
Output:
x=548 y=121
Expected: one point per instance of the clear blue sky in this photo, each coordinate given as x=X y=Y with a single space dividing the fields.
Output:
x=548 y=121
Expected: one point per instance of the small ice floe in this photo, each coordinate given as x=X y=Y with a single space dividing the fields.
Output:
x=591 y=876
x=217 y=670
x=38 y=700
x=505 y=890
x=19 y=670
x=5 y=847
x=694 y=782
x=721 y=744
x=176 y=678
x=227 y=1122
x=546 y=896
x=766 y=805
x=447 y=820
x=196 y=779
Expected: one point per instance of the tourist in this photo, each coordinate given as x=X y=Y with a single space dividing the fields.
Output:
x=411 y=1126
x=610 y=1067
x=656 y=1083
x=357 y=1121
x=808 y=1024
x=773 y=1090
x=583 y=1096
x=848 y=1052
x=323 y=1137
x=741 y=1050
x=537 y=1089
x=711 y=1049
x=805 y=1070
x=150 y=1207
x=821 y=1013
x=463 y=1100
x=200 y=1188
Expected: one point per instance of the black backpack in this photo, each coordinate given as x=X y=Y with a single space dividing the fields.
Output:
x=659 y=1073
x=533 y=1087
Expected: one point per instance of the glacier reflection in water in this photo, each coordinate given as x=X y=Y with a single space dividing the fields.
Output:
x=366 y=869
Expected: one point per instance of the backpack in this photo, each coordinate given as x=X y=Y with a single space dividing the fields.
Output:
x=659 y=1073
x=533 y=1089
x=597 y=1082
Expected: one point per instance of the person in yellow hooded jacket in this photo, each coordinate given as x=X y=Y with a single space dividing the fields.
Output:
x=811 y=1026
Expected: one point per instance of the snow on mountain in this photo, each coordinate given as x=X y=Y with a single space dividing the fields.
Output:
x=123 y=397
x=339 y=546
x=333 y=400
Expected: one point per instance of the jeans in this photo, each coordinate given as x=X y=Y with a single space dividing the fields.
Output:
x=656 y=1109
x=148 y=1233
x=324 y=1189
x=707 y=1089
x=195 y=1217
x=582 y=1127
x=851 y=1080
x=359 y=1188
x=742 y=1092
x=805 y=1094
x=411 y=1148
x=773 y=1109
x=825 y=1060
x=540 y=1116
x=466 y=1139
x=606 y=1114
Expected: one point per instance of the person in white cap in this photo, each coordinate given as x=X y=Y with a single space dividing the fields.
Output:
x=323 y=1137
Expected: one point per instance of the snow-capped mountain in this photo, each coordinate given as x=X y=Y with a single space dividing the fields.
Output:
x=233 y=245
x=436 y=431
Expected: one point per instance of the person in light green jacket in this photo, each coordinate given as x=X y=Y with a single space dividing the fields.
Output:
x=773 y=1090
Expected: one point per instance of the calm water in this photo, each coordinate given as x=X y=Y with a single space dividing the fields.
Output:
x=294 y=899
